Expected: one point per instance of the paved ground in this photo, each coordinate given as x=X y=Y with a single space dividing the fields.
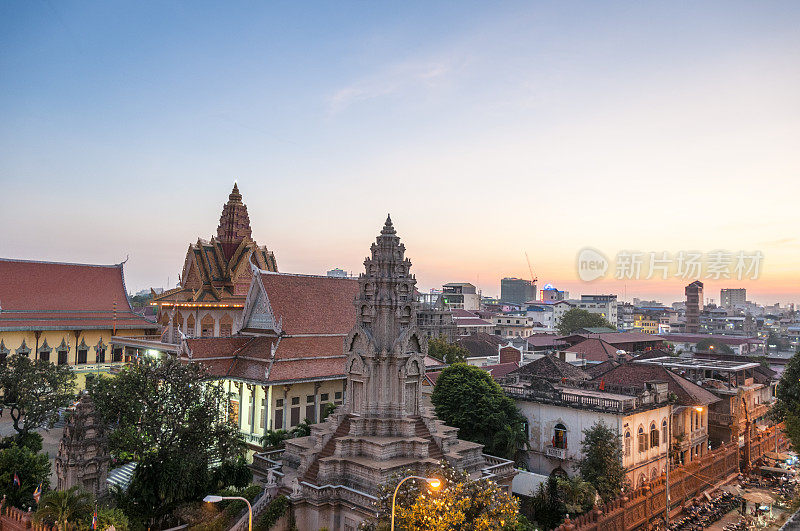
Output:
x=50 y=442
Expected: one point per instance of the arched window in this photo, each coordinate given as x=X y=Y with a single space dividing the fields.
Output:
x=207 y=326
x=642 y=479
x=560 y=436
x=653 y=435
x=664 y=431
x=628 y=443
x=642 y=439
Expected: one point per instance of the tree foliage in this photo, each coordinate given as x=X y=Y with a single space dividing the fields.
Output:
x=787 y=408
x=576 y=318
x=449 y=353
x=601 y=464
x=557 y=497
x=34 y=391
x=64 y=508
x=469 y=399
x=459 y=504
x=167 y=416
x=32 y=469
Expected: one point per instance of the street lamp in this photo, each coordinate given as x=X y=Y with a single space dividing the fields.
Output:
x=433 y=483
x=212 y=498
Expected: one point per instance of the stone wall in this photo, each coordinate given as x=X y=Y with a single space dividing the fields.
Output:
x=13 y=519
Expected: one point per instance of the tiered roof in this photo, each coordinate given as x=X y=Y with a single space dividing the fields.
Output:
x=309 y=318
x=594 y=350
x=551 y=368
x=219 y=270
x=61 y=296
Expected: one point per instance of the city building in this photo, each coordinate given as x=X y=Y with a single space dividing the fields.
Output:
x=690 y=410
x=625 y=319
x=694 y=304
x=334 y=475
x=732 y=297
x=469 y=323
x=513 y=325
x=461 y=296
x=742 y=346
x=69 y=314
x=745 y=393
x=548 y=313
x=434 y=319
x=549 y=293
x=215 y=279
x=517 y=290
x=604 y=305
x=560 y=403
x=338 y=273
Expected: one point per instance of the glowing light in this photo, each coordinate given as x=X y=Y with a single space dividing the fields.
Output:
x=699 y=409
x=435 y=483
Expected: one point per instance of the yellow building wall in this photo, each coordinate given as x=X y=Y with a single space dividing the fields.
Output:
x=12 y=340
x=251 y=426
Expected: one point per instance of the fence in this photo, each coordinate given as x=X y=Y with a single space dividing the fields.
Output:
x=647 y=504
x=13 y=519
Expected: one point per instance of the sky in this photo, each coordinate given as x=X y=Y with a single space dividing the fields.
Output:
x=487 y=129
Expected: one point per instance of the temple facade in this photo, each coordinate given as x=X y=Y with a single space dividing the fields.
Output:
x=69 y=314
x=215 y=279
x=333 y=476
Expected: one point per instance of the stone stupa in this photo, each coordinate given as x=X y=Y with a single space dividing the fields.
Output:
x=333 y=476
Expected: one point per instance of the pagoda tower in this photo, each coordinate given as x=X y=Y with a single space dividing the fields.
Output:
x=334 y=475
x=234 y=224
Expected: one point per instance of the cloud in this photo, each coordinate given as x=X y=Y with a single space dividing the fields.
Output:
x=394 y=79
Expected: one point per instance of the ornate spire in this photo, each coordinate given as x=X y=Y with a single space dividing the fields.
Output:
x=385 y=350
x=234 y=223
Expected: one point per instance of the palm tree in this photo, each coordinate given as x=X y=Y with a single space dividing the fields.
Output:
x=64 y=508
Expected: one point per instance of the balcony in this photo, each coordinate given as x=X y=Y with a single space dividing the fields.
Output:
x=558 y=453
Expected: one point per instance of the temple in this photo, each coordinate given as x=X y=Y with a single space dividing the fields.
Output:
x=333 y=475
x=70 y=314
x=215 y=279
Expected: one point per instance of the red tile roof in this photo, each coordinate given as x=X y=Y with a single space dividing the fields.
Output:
x=637 y=374
x=545 y=340
x=497 y=371
x=312 y=304
x=251 y=358
x=594 y=350
x=52 y=295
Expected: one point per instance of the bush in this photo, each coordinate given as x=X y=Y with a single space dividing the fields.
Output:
x=274 y=511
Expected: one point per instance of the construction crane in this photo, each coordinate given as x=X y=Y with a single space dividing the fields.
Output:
x=533 y=278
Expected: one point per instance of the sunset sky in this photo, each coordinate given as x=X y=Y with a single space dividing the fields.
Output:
x=487 y=129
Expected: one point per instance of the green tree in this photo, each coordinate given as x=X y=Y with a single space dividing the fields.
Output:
x=449 y=353
x=171 y=419
x=546 y=506
x=34 y=390
x=469 y=399
x=787 y=408
x=31 y=468
x=106 y=518
x=576 y=318
x=601 y=464
x=64 y=508
x=459 y=503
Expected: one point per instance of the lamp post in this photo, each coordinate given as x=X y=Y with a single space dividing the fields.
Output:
x=211 y=498
x=434 y=484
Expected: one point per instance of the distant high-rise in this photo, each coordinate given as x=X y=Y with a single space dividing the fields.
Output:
x=732 y=297
x=694 y=304
x=517 y=290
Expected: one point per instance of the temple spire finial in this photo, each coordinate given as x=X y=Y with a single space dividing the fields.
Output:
x=235 y=195
x=388 y=228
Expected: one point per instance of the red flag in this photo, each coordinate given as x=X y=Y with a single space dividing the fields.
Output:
x=94 y=519
x=603 y=384
x=16 y=480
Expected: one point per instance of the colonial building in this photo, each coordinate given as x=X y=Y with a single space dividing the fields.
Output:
x=215 y=278
x=333 y=476
x=285 y=360
x=67 y=314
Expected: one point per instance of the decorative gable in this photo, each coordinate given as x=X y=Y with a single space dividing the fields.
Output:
x=257 y=313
